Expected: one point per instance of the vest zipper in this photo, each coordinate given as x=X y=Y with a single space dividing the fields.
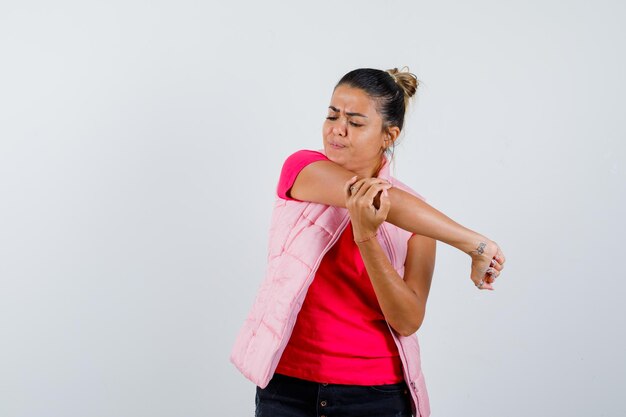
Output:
x=405 y=363
x=405 y=369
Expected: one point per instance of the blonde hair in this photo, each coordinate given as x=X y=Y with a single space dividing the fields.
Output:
x=407 y=81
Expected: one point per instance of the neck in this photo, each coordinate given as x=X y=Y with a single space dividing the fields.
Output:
x=370 y=171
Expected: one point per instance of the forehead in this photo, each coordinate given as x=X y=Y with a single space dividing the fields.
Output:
x=350 y=99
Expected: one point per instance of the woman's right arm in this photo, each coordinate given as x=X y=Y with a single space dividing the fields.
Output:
x=324 y=182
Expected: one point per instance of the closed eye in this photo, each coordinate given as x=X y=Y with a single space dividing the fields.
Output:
x=352 y=123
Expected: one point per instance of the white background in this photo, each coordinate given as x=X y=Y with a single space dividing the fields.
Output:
x=140 y=144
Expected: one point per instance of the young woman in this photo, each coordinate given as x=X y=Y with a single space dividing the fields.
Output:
x=351 y=257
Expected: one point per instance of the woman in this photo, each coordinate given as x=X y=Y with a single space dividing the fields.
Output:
x=351 y=257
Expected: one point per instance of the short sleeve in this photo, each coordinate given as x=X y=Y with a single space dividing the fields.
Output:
x=292 y=167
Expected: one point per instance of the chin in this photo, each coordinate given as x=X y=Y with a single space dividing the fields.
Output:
x=332 y=154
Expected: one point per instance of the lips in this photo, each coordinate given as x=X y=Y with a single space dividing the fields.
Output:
x=336 y=145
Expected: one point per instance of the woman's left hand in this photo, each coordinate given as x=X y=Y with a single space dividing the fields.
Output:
x=362 y=197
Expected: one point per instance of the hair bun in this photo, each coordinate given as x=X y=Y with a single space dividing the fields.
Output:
x=407 y=81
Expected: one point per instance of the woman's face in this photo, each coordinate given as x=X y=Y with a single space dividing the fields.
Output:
x=353 y=133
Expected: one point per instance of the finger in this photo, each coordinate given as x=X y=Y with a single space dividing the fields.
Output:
x=357 y=186
x=374 y=190
x=496 y=265
x=483 y=274
x=499 y=254
x=348 y=184
x=484 y=285
x=368 y=183
x=383 y=187
x=492 y=272
x=500 y=257
x=385 y=205
x=491 y=275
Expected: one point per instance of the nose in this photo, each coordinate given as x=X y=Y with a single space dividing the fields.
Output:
x=339 y=127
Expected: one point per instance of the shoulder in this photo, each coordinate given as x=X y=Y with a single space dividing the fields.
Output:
x=292 y=166
x=304 y=156
x=295 y=162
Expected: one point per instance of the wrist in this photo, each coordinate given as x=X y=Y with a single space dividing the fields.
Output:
x=468 y=241
x=363 y=235
x=365 y=239
x=480 y=247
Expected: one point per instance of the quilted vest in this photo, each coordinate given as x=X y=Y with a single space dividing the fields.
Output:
x=300 y=235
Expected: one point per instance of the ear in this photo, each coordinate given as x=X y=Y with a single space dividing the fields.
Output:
x=391 y=135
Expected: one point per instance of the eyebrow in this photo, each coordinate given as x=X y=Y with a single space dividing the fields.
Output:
x=335 y=109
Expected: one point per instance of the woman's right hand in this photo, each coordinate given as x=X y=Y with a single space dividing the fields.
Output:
x=487 y=262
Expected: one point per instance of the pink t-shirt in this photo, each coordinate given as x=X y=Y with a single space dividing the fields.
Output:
x=340 y=335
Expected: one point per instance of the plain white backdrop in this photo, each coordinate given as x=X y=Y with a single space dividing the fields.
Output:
x=140 y=145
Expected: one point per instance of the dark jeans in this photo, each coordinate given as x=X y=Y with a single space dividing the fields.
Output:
x=292 y=397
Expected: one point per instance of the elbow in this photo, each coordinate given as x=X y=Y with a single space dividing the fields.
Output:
x=408 y=331
x=409 y=328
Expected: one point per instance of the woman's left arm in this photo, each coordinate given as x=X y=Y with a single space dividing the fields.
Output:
x=402 y=300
